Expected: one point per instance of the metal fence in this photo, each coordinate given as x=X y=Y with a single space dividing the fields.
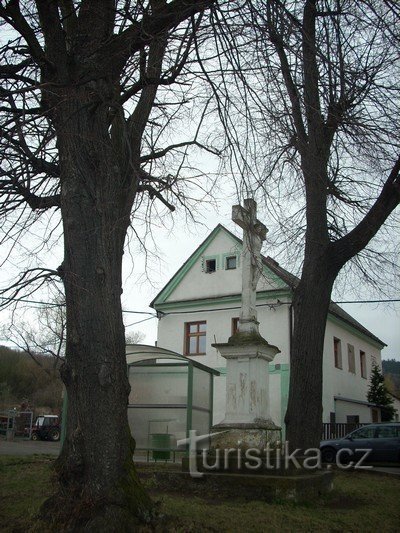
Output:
x=16 y=423
x=338 y=430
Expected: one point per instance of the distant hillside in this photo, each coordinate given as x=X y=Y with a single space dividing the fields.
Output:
x=391 y=371
x=22 y=380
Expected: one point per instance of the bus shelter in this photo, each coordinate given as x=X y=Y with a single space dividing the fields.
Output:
x=170 y=395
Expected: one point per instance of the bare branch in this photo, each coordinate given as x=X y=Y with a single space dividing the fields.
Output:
x=356 y=240
x=161 y=153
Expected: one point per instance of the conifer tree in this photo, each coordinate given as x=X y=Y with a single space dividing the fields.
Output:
x=378 y=393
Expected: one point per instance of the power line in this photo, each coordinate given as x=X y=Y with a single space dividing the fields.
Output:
x=35 y=302
x=53 y=304
x=138 y=312
x=140 y=321
x=153 y=315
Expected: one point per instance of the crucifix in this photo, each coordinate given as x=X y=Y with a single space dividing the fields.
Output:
x=247 y=412
x=254 y=234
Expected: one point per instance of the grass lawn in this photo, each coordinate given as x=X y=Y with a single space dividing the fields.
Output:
x=359 y=502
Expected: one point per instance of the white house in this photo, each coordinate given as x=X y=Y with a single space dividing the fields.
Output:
x=200 y=306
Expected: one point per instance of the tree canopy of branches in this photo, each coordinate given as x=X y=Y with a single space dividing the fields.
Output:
x=312 y=110
x=82 y=127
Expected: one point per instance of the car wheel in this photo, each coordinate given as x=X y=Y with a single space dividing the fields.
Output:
x=54 y=435
x=328 y=455
x=35 y=436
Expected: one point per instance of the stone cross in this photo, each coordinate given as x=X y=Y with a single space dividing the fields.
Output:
x=254 y=233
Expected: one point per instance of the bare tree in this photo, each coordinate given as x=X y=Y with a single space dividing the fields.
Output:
x=314 y=127
x=81 y=87
x=134 y=337
x=42 y=332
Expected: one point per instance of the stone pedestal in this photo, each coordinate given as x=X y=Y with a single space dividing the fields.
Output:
x=247 y=422
x=247 y=436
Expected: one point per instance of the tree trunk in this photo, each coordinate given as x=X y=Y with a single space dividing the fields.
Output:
x=310 y=306
x=98 y=487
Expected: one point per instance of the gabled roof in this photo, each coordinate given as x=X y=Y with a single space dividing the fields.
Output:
x=289 y=279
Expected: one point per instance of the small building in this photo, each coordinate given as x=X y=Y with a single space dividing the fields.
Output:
x=200 y=306
x=170 y=395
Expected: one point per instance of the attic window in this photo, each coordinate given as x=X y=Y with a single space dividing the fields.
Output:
x=211 y=266
x=230 y=262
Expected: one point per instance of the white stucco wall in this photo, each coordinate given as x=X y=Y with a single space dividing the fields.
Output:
x=198 y=284
x=273 y=327
x=341 y=382
x=345 y=409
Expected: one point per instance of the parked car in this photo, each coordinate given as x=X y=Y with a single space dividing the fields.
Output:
x=46 y=427
x=382 y=439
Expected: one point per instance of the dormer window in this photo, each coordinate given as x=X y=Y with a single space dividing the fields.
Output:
x=211 y=266
x=230 y=262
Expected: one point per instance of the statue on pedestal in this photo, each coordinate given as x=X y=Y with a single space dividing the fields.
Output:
x=248 y=354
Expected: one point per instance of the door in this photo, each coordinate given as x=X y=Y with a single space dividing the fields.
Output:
x=375 y=415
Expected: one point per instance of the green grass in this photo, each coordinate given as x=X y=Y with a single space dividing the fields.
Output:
x=359 y=502
x=25 y=482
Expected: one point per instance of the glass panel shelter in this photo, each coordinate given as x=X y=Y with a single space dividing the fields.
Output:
x=170 y=395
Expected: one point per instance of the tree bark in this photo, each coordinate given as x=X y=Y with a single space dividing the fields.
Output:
x=83 y=53
x=323 y=257
x=99 y=489
x=310 y=307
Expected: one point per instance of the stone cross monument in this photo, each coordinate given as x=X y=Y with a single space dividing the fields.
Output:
x=247 y=418
x=254 y=234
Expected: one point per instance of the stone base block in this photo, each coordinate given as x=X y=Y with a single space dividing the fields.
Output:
x=259 y=435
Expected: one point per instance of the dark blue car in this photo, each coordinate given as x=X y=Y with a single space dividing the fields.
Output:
x=382 y=439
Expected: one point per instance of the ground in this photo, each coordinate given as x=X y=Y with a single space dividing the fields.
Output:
x=359 y=502
x=29 y=447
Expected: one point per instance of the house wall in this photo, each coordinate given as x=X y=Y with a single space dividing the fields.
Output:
x=179 y=303
x=342 y=382
x=274 y=326
x=345 y=409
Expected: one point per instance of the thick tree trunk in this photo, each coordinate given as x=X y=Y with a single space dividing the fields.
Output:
x=98 y=486
x=310 y=306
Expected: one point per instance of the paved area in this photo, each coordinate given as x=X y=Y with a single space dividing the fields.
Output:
x=28 y=447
